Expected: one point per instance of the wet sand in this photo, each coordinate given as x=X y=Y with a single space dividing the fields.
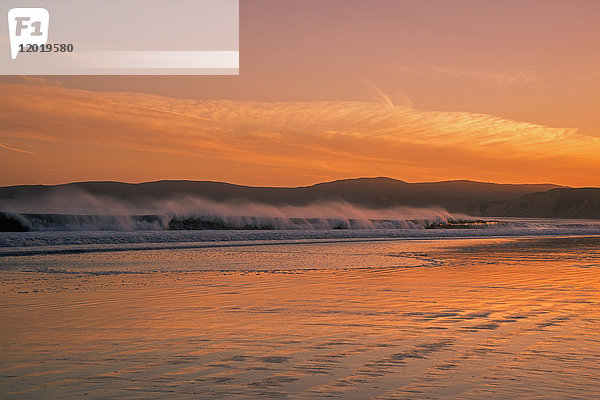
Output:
x=436 y=319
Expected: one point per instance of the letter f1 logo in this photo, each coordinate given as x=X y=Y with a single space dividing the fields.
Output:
x=27 y=26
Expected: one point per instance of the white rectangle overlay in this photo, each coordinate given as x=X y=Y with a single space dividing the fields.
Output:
x=125 y=37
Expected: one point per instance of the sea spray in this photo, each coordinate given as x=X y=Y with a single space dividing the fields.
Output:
x=82 y=211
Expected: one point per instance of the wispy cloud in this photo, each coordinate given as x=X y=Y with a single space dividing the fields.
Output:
x=5 y=147
x=39 y=80
x=308 y=139
x=592 y=75
x=397 y=100
x=499 y=77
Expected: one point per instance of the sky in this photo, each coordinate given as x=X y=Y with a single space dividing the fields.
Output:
x=505 y=92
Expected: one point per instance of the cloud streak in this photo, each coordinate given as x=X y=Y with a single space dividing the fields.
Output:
x=5 y=147
x=504 y=78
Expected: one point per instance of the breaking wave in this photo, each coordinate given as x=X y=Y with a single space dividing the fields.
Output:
x=84 y=212
x=211 y=220
x=75 y=210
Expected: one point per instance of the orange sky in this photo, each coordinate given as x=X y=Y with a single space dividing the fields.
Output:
x=416 y=90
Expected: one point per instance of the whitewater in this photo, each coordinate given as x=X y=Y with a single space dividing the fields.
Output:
x=80 y=241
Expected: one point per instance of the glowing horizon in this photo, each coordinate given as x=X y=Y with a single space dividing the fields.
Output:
x=149 y=137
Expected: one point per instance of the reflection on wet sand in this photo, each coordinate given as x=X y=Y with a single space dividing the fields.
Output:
x=479 y=318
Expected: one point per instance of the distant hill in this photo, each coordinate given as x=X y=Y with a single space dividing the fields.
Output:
x=456 y=196
x=554 y=203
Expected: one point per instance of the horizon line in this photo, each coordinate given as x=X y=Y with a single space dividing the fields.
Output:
x=293 y=187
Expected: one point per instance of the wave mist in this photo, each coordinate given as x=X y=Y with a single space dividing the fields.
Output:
x=82 y=211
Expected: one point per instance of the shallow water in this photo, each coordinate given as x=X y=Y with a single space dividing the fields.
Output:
x=462 y=318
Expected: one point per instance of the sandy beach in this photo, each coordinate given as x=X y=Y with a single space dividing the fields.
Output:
x=463 y=319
